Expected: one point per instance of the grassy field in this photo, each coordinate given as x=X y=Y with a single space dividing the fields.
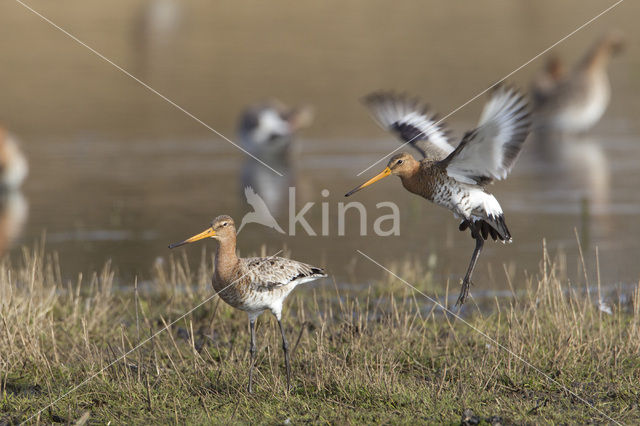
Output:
x=382 y=354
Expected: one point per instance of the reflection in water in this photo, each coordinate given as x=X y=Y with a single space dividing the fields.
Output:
x=130 y=163
x=587 y=169
x=13 y=206
x=579 y=162
x=14 y=211
x=573 y=102
x=155 y=28
x=267 y=131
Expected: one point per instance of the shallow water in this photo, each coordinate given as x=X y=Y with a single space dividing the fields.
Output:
x=117 y=173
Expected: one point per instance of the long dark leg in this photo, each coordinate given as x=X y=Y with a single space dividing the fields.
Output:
x=466 y=282
x=252 y=351
x=285 y=348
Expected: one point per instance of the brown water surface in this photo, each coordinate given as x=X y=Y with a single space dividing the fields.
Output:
x=118 y=173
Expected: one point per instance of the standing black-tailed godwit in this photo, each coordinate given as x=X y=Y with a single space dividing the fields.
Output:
x=575 y=101
x=456 y=178
x=253 y=284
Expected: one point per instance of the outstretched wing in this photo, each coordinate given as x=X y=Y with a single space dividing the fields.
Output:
x=267 y=273
x=409 y=120
x=489 y=151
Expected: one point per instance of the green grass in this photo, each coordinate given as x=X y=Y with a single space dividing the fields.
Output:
x=379 y=355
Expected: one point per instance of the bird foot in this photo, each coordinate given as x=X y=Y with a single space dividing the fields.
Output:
x=464 y=292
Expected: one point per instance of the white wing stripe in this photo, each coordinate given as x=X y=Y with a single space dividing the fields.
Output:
x=489 y=151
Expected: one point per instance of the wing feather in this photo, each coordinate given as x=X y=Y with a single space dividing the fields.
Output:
x=267 y=273
x=489 y=151
x=410 y=121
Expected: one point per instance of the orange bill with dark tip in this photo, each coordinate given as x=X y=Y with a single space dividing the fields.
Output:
x=386 y=172
x=207 y=233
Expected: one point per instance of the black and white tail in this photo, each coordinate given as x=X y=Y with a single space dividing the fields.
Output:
x=494 y=226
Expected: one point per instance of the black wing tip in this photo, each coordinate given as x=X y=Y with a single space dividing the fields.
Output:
x=318 y=272
x=383 y=96
x=413 y=102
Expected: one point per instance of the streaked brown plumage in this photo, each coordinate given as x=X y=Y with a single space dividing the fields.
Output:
x=456 y=178
x=253 y=284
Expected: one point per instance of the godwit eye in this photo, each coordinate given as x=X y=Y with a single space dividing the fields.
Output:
x=399 y=162
x=224 y=223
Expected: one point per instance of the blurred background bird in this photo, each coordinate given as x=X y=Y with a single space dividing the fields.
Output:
x=574 y=101
x=13 y=163
x=156 y=27
x=267 y=130
x=13 y=205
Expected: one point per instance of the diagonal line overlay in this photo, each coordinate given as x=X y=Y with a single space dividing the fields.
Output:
x=138 y=346
x=145 y=85
x=498 y=82
x=491 y=339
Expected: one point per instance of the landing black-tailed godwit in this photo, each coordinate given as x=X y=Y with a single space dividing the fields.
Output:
x=253 y=284
x=574 y=101
x=456 y=178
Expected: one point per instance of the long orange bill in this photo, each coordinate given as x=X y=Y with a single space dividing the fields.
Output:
x=386 y=172
x=204 y=234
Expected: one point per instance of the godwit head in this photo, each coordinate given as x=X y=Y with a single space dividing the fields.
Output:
x=402 y=164
x=222 y=229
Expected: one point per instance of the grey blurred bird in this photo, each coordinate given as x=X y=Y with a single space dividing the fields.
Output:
x=267 y=130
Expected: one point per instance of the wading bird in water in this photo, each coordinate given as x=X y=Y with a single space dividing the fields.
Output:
x=574 y=101
x=456 y=178
x=13 y=164
x=253 y=284
x=268 y=131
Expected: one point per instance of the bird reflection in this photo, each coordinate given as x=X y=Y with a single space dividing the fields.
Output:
x=568 y=103
x=13 y=206
x=156 y=26
x=587 y=169
x=14 y=211
x=267 y=131
x=579 y=164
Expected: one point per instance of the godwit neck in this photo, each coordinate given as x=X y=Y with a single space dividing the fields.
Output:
x=408 y=170
x=226 y=260
x=598 y=57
